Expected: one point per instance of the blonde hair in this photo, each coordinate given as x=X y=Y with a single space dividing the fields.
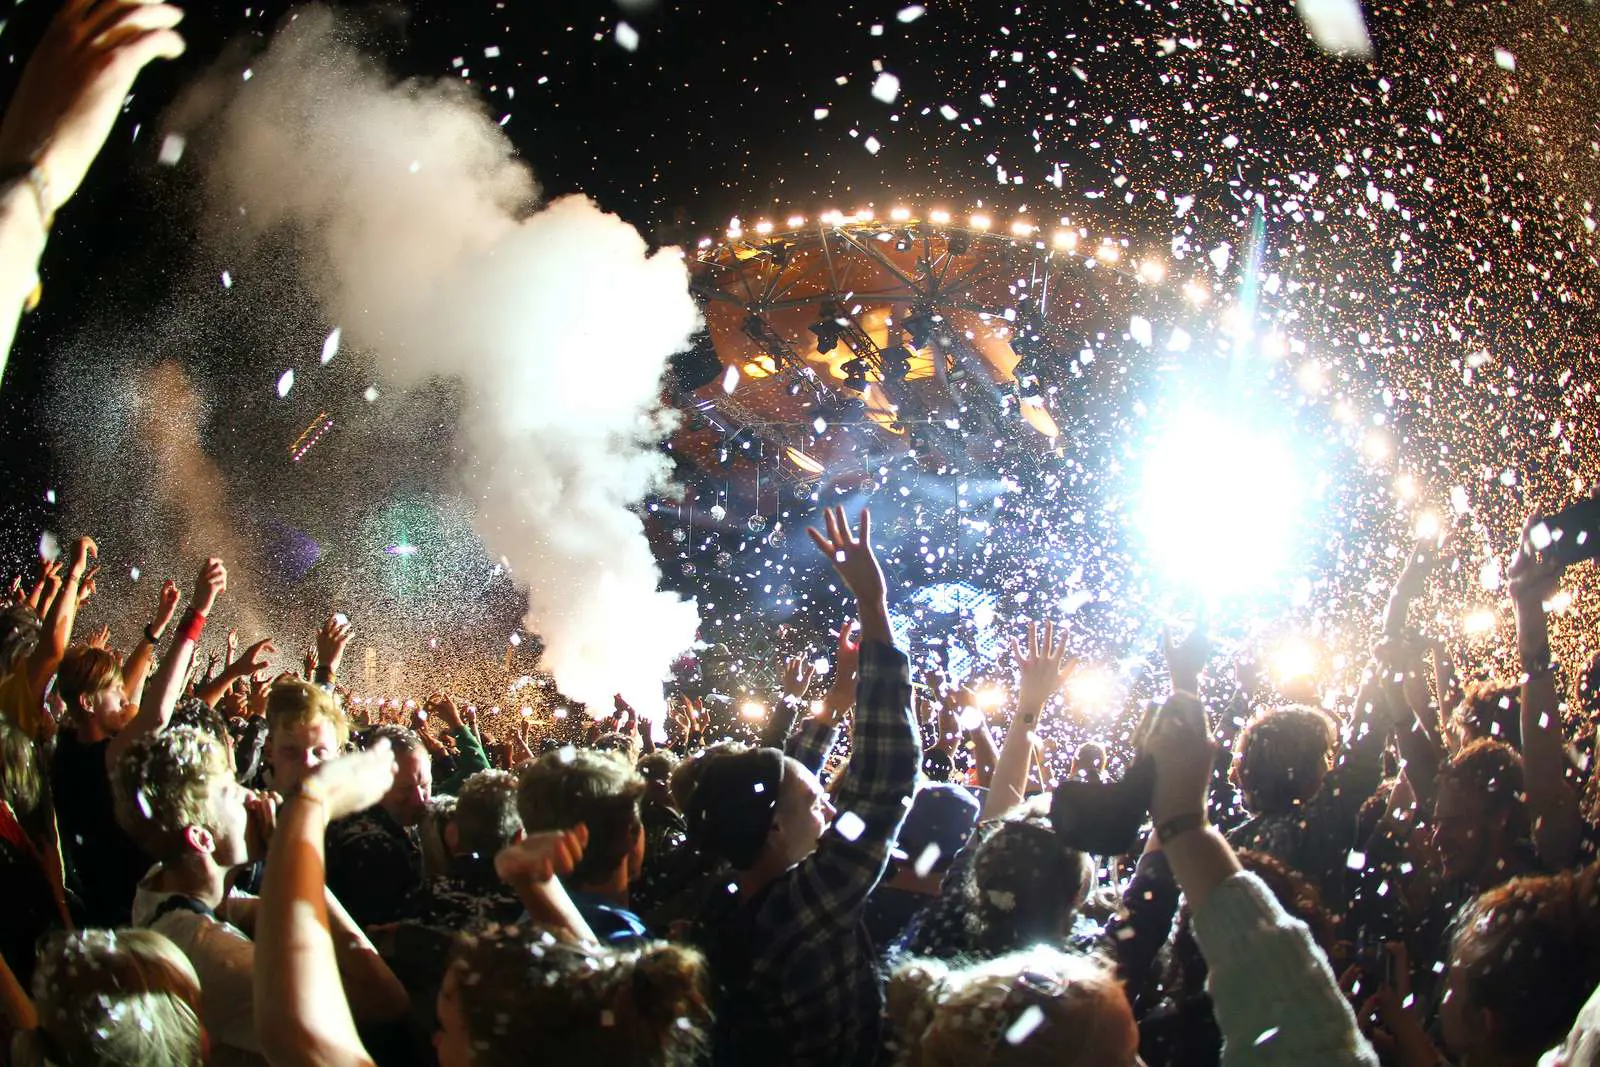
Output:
x=524 y=988
x=163 y=785
x=84 y=672
x=1040 y=1006
x=292 y=703
x=128 y=998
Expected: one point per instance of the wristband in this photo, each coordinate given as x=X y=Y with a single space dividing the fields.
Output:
x=151 y=635
x=310 y=790
x=1187 y=694
x=193 y=625
x=1180 y=824
x=323 y=675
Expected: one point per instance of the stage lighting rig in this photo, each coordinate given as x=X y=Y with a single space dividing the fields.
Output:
x=827 y=328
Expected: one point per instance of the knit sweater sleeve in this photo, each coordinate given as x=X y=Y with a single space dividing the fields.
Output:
x=1275 y=997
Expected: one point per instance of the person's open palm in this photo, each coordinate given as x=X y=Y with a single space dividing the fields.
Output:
x=1045 y=665
x=543 y=856
x=75 y=83
x=852 y=554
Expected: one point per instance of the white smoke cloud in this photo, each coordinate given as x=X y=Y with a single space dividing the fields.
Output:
x=417 y=227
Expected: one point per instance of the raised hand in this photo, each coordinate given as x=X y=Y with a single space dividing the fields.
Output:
x=86 y=586
x=166 y=606
x=1186 y=658
x=852 y=556
x=75 y=83
x=211 y=582
x=354 y=782
x=1045 y=666
x=841 y=694
x=101 y=639
x=798 y=672
x=253 y=661
x=543 y=856
x=331 y=639
x=232 y=644
x=442 y=707
x=1532 y=577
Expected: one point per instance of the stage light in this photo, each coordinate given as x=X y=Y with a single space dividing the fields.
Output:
x=809 y=464
x=1220 y=504
x=959 y=244
x=991 y=696
x=1294 y=659
x=1092 y=689
x=763 y=227
x=1153 y=271
x=794 y=222
x=896 y=363
x=1479 y=622
x=827 y=328
x=969 y=719
x=900 y=214
x=1065 y=240
x=1021 y=229
x=919 y=326
x=939 y=218
x=751 y=710
x=1428 y=526
x=855 y=374
x=902 y=241
x=980 y=222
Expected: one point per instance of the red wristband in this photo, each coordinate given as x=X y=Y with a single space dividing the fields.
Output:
x=192 y=626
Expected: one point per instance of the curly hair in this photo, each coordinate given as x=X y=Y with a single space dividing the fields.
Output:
x=20 y=630
x=524 y=988
x=1024 y=886
x=163 y=784
x=1491 y=769
x=1489 y=709
x=1040 y=1007
x=1282 y=755
x=128 y=998
x=1529 y=951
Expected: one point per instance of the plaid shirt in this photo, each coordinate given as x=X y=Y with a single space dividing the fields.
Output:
x=811 y=994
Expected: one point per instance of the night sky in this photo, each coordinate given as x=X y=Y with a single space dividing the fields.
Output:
x=1429 y=244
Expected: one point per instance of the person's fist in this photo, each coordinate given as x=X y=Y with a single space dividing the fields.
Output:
x=211 y=582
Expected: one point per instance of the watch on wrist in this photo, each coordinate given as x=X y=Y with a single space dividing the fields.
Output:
x=1180 y=824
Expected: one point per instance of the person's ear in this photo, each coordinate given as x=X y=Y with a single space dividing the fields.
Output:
x=199 y=839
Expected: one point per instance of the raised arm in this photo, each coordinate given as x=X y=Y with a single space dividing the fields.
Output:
x=302 y=1015
x=1552 y=803
x=1045 y=669
x=885 y=751
x=60 y=616
x=70 y=95
x=1274 y=996
x=162 y=692
x=137 y=666
x=252 y=660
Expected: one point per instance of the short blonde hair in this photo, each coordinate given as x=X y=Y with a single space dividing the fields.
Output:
x=163 y=784
x=1039 y=1006
x=84 y=672
x=292 y=703
x=128 y=998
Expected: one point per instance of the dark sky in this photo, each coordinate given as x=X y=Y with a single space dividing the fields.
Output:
x=1428 y=214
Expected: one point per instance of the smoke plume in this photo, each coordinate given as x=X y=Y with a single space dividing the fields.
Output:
x=423 y=237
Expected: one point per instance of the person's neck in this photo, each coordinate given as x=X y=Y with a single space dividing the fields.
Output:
x=768 y=867
x=90 y=731
x=195 y=875
x=613 y=890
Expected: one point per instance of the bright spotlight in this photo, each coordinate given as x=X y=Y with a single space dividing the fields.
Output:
x=1479 y=622
x=1220 y=505
x=752 y=710
x=1092 y=689
x=989 y=697
x=1295 y=659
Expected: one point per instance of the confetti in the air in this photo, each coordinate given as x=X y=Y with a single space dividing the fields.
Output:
x=285 y=382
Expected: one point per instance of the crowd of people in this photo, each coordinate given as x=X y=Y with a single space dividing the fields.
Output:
x=213 y=865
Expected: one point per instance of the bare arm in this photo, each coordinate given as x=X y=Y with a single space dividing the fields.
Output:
x=1044 y=670
x=1552 y=802
x=302 y=1015
x=137 y=666
x=59 y=618
x=376 y=995
x=162 y=692
x=246 y=666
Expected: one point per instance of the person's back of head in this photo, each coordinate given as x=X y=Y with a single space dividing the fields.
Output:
x=168 y=785
x=1524 y=959
x=561 y=789
x=1479 y=811
x=1025 y=886
x=686 y=775
x=1039 y=1007
x=128 y=998
x=1282 y=756
x=512 y=990
x=1489 y=710
x=485 y=816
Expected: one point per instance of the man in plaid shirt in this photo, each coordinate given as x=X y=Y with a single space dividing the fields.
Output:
x=791 y=957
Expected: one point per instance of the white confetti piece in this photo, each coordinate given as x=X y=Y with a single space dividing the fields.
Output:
x=911 y=14
x=330 y=347
x=371 y=394
x=1025 y=1024
x=1504 y=59
x=1336 y=26
x=871 y=145
x=850 y=826
x=886 y=88
x=172 y=149
x=285 y=383
x=627 y=37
